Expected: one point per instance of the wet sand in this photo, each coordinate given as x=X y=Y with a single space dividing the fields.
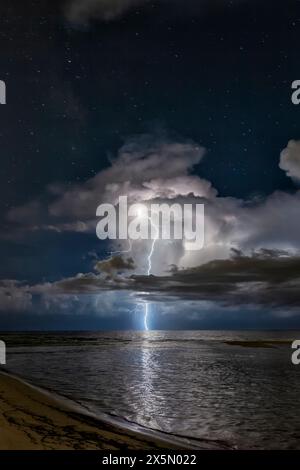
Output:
x=31 y=419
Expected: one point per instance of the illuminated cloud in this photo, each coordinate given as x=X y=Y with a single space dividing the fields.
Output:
x=150 y=169
x=290 y=160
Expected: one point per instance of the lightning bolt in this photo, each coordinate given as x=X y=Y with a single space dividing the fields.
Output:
x=146 y=305
x=146 y=311
x=152 y=246
x=149 y=259
x=146 y=316
x=151 y=253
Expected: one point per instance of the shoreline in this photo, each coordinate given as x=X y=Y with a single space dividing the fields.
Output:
x=36 y=419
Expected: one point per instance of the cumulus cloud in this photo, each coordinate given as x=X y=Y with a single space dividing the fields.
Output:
x=290 y=160
x=139 y=164
x=136 y=172
x=151 y=169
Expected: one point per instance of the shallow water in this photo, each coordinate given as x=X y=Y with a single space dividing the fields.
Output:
x=187 y=383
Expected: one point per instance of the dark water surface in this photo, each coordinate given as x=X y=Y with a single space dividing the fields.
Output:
x=187 y=383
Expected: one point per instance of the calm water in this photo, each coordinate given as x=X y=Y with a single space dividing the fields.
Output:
x=187 y=383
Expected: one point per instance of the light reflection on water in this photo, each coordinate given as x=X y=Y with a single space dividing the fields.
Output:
x=187 y=383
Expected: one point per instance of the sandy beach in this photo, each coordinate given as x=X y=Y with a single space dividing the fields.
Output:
x=34 y=419
x=31 y=419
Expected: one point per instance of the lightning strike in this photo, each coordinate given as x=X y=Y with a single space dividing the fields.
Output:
x=146 y=317
x=149 y=259
x=149 y=272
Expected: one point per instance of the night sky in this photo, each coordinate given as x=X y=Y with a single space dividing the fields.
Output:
x=83 y=79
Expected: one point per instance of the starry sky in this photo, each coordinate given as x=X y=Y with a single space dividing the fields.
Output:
x=83 y=78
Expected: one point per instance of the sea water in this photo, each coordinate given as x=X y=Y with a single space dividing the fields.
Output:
x=187 y=383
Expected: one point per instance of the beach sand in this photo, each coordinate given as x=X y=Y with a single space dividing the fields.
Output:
x=33 y=419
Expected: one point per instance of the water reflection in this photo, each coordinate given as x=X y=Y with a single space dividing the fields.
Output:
x=189 y=383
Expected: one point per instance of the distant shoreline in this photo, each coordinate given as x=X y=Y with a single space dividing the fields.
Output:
x=33 y=418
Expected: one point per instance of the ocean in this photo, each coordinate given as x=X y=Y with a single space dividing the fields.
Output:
x=202 y=385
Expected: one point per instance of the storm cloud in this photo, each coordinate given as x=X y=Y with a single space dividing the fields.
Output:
x=151 y=169
x=267 y=278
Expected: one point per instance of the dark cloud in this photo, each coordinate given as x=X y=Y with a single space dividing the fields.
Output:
x=115 y=263
x=14 y=296
x=267 y=278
